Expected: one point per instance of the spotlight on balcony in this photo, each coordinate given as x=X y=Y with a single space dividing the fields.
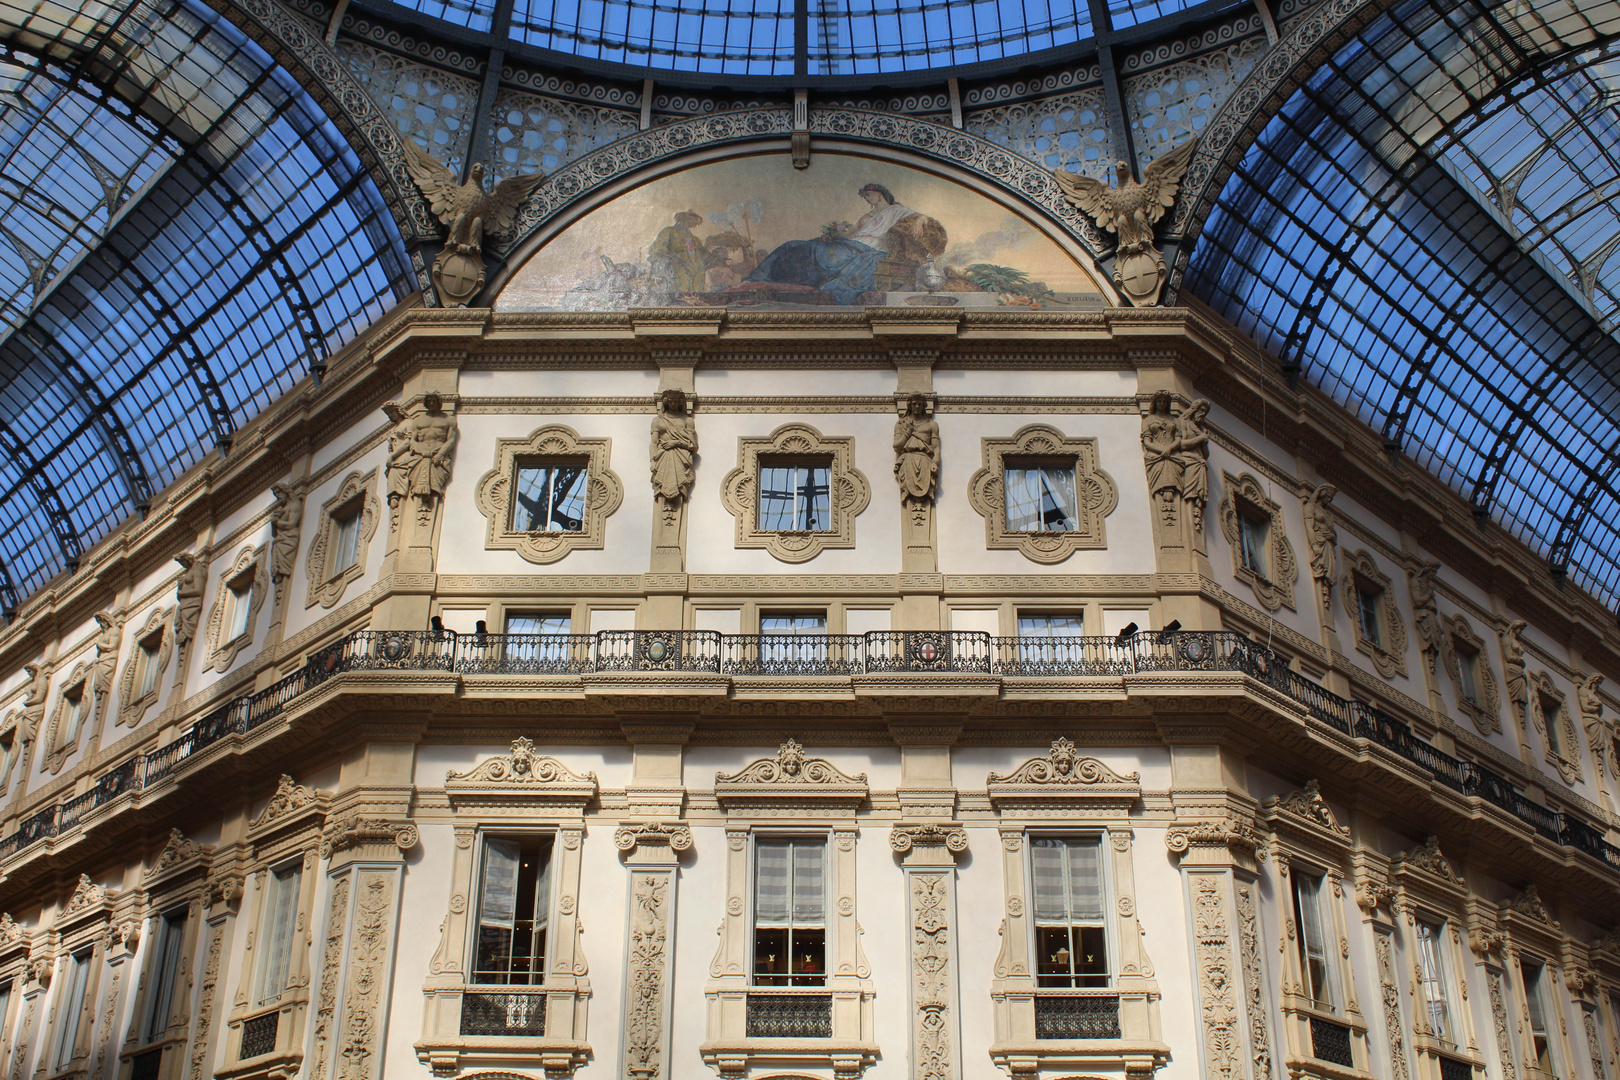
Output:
x=1171 y=627
x=480 y=631
x=1125 y=634
x=437 y=626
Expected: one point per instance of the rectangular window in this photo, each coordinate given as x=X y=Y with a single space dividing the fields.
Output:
x=1432 y=967
x=1551 y=710
x=1467 y=671
x=1252 y=534
x=1535 y=1002
x=540 y=622
x=148 y=669
x=514 y=909
x=813 y=623
x=790 y=912
x=795 y=496
x=277 y=926
x=1041 y=498
x=550 y=496
x=1367 y=601
x=70 y=1007
x=73 y=709
x=345 y=538
x=1071 y=941
x=1315 y=961
x=1036 y=634
x=166 y=957
x=239 y=603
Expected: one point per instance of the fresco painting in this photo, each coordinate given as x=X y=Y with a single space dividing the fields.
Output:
x=754 y=233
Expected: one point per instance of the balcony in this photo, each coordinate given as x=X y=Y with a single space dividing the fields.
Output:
x=874 y=655
x=1077 y=1015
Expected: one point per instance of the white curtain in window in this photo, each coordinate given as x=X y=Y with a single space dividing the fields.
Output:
x=772 y=886
x=72 y=1005
x=542 y=889
x=497 y=905
x=1051 y=893
x=809 y=888
x=1085 y=880
x=281 y=914
x=1310 y=919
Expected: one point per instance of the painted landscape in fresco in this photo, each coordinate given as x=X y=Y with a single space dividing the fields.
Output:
x=755 y=233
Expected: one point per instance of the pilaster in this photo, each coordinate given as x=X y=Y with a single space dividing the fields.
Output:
x=657 y=745
x=928 y=856
x=652 y=855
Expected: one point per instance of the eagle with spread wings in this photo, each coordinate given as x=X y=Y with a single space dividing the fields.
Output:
x=467 y=208
x=1131 y=209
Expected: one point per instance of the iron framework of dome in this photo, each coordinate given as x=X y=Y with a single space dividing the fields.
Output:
x=1421 y=221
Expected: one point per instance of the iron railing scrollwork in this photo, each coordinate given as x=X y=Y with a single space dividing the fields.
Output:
x=504 y=1012
x=789 y=1016
x=1330 y=1042
x=259 y=1035
x=1077 y=1016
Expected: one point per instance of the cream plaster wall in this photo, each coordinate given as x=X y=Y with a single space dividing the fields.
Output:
x=995 y=383
x=700 y=906
x=424 y=903
x=628 y=538
x=961 y=530
x=1162 y=911
x=712 y=530
x=609 y=382
x=790 y=382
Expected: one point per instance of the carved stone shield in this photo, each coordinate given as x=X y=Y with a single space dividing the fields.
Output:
x=458 y=277
x=1140 y=275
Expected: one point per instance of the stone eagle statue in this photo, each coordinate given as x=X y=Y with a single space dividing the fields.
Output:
x=1130 y=211
x=469 y=212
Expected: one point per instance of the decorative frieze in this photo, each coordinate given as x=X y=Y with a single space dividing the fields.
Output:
x=1217 y=997
x=1390 y=992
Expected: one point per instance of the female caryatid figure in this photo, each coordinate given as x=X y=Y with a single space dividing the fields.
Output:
x=674 y=444
x=916 y=445
x=1192 y=451
x=1161 y=443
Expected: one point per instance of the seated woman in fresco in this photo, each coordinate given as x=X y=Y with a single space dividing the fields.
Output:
x=844 y=261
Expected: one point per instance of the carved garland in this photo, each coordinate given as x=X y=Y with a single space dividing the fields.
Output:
x=1565 y=755
x=1493 y=983
x=1064 y=765
x=158 y=622
x=357 y=493
x=849 y=492
x=1218 y=1001
x=1274 y=589
x=1389 y=654
x=251 y=563
x=931 y=976
x=1486 y=710
x=1392 y=1005
x=554 y=444
x=1096 y=494
x=649 y=964
x=521 y=766
x=1254 y=982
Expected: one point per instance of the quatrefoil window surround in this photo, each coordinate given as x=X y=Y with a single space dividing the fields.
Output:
x=798 y=452
x=549 y=494
x=1045 y=447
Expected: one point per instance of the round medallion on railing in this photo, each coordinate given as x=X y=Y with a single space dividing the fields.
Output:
x=657 y=651
x=929 y=652
x=1193 y=649
x=395 y=647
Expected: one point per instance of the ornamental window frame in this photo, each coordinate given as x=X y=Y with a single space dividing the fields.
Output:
x=1092 y=800
x=1428 y=889
x=1096 y=493
x=357 y=494
x=1361 y=573
x=1561 y=741
x=1305 y=836
x=285 y=836
x=176 y=880
x=848 y=492
x=1244 y=496
x=554 y=444
x=802 y=796
x=249 y=574
x=1525 y=931
x=154 y=647
x=11 y=746
x=16 y=979
x=1485 y=709
x=83 y=931
x=60 y=744
x=517 y=793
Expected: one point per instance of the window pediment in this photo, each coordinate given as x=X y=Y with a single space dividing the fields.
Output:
x=293 y=817
x=789 y=781
x=554 y=444
x=520 y=782
x=89 y=903
x=1304 y=819
x=1064 y=781
x=181 y=858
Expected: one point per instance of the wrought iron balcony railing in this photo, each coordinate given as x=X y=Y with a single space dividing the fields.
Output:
x=789 y=1015
x=1076 y=1015
x=841 y=655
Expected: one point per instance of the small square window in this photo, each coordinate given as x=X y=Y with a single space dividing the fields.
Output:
x=345 y=538
x=790 y=912
x=238 y=605
x=1254 y=531
x=550 y=496
x=1041 y=497
x=1368 y=603
x=795 y=496
x=148 y=659
x=1467 y=670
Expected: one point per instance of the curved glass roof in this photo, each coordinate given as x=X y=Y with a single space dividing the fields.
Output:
x=183 y=233
x=1358 y=242
x=762 y=37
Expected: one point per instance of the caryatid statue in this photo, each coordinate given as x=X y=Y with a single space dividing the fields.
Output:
x=421 y=451
x=1161 y=441
x=1513 y=668
x=188 y=595
x=674 y=446
x=1323 y=537
x=33 y=702
x=286 y=517
x=1425 y=615
x=916 y=448
x=106 y=662
x=1591 y=706
x=1192 y=451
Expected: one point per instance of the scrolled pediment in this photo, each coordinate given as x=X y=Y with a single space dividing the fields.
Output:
x=789 y=780
x=1305 y=809
x=520 y=779
x=1064 y=777
x=1428 y=858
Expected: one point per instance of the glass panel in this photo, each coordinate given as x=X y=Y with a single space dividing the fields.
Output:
x=75 y=716
x=514 y=911
x=547 y=623
x=1312 y=939
x=172 y=932
x=1535 y=1001
x=551 y=498
x=346 y=547
x=71 y=1007
x=276 y=932
x=794 y=497
x=1367 y=601
x=149 y=670
x=241 y=599
x=1071 y=943
x=1467 y=672
x=1252 y=543
x=1434 y=981
x=1041 y=499
x=1551 y=710
x=790 y=889
x=793 y=624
